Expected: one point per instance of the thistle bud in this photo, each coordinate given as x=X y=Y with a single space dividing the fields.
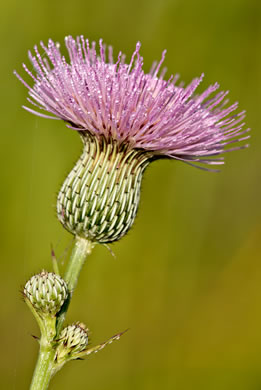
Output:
x=72 y=341
x=46 y=292
x=99 y=198
x=73 y=344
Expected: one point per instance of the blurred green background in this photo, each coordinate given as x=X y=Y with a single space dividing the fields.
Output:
x=187 y=278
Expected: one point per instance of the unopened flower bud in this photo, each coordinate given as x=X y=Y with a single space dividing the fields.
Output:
x=72 y=341
x=73 y=344
x=46 y=292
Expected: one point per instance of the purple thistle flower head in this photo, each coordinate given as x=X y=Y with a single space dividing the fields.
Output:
x=118 y=101
x=126 y=119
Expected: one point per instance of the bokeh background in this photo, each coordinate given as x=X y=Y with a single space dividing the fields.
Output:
x=187 y=278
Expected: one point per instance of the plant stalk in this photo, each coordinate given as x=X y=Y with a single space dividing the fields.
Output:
x=81 y=250
x=45 y=365
x=44 y=368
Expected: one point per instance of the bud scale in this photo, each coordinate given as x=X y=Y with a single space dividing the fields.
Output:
x=99 y=198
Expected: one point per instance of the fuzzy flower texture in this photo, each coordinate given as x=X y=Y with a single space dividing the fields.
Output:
x=119 y=101
x=126 y=119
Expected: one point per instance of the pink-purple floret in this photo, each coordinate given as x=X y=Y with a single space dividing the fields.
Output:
x=120 y=101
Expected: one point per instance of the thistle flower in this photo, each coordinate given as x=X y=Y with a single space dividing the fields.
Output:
x=126 y=119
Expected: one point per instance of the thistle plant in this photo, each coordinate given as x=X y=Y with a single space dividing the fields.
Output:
x=126 y=119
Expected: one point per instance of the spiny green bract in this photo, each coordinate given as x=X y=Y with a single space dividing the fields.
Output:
x=100 y=197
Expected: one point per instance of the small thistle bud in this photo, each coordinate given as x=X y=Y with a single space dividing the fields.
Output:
x=72 y=341
x=46 y=292
x=73 y=344
x=99 y=198
x=75 y=337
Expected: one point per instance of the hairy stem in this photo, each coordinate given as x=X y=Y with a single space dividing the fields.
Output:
x=81 y=250
x=44 y=367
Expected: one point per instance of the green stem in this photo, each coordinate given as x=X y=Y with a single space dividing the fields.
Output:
x=44 y=368
x=45 y=364
x=81 y=250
